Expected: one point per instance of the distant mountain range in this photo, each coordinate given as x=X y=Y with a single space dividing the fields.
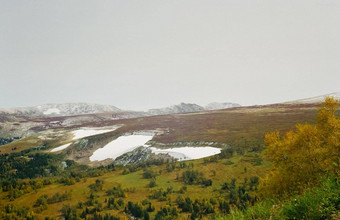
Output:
x=65 y=109
x=181 y=108
x=70 y=109
x=26 y=121
x=187 y=107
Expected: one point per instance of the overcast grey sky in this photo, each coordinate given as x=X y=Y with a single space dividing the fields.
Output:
x=146 y=54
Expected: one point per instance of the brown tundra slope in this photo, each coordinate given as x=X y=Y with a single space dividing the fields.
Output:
x=241 y=127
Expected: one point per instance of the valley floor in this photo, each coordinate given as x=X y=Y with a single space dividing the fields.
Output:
x=136 y=187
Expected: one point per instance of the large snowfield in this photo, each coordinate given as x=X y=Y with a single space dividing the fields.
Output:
x=128 y=143
x=86 y=132
x=81 y=133
x=120 y=146
x=188 y=153
x=62 y=147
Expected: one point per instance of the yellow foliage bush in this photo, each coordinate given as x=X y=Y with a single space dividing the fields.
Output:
x=303 y=156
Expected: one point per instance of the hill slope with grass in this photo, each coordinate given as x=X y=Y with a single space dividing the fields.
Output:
x=38 y=184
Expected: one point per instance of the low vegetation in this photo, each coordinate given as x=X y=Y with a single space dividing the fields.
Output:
x=291 y=177
x=304 y=182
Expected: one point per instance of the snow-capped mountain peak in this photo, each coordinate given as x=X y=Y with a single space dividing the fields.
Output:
x=65 y=109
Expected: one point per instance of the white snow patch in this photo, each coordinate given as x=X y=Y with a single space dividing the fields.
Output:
x=62 y=147
x=120 y=146
x=44 y=137
x=51 y=111
x=86 y=132
x=188 y=153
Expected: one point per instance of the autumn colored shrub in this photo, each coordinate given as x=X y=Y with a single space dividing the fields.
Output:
x=302 y=157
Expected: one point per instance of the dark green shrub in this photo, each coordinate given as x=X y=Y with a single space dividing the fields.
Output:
x=317 y=203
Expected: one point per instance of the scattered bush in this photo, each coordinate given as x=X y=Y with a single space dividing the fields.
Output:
x=317 y=203
x=97 y=186
x=152 y=183
x=148 y=174
x=116 y=191
x=167 y=212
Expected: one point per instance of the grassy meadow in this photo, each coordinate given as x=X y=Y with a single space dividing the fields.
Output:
x=218 y=187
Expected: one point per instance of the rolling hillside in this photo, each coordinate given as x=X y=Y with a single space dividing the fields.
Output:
x=38 y=181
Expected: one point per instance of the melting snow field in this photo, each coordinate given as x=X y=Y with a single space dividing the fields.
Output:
x=120 y=146
x=51 y=111
x=62 y=147
x=188 y=153
x=81 y=133
x=86 y=132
